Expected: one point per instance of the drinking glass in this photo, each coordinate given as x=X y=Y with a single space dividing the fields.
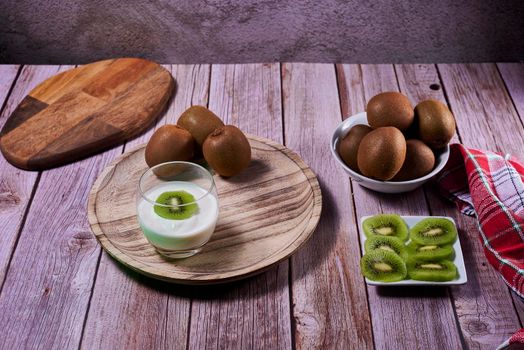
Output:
x=177 y=207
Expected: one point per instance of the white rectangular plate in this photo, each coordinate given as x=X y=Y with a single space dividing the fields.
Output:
x=458 y=261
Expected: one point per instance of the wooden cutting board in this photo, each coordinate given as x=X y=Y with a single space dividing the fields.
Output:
x=266 y=213
x=85 y=110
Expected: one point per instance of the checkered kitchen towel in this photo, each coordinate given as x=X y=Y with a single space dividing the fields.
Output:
x=490 y=186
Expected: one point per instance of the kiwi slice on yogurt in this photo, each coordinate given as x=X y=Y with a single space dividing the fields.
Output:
x=176 y=205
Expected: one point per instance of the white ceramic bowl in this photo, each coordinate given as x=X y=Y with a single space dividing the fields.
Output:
x=441 y=159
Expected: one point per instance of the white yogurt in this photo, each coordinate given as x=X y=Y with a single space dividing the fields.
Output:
x=185 y=234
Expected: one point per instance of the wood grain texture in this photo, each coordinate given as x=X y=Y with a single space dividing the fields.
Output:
x=416 y=80
x=329 y=298
x=8 y=74
x=119 y=293
x=48 y=285
x=225 y=316
x=245 y=240
x=519 y=307
x=482 y=107
x=391 y=307
x=513 y=76
x=486 y=119
x=254 y=312
x=16 y=185
x=351 y=89
x=83 y=111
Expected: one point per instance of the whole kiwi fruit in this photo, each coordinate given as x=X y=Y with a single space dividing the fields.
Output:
x=348 y=147
x=390 y=109
x=200 y=122
x=169 y=143
x=227 y=150
x=420 y=160
x=381 y=153
x=435 y=123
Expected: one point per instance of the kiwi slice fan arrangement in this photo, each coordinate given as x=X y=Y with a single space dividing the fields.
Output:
x=400 y=142
x=426 y=257
x=198 y=133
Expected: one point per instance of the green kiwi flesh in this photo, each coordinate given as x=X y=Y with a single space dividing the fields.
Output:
x=390 y=225
x=181 y=205
x=430 y=252
x=383 y=266
x=391 y=244
x=434 y=270
x=434 y=231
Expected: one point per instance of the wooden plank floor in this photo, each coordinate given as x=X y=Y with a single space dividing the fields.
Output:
x=58 y=289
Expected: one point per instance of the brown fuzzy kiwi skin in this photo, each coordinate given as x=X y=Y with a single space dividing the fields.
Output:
x=435 y=123
x=169 y=143
x=227 y=150
x=381 y=153
x=200 y=122
x=420 y=160
x=348 y=147
x=390 y=109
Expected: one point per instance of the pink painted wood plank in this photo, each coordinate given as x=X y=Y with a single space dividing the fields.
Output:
x=120 y=294
x=8 y=74
x=416 y=80
x=16 y=185
x=487 y=120
x=391 y=307
x=519 y=306
x=329 y=298
x=49 y=282
x=485 y=114
x=351 y=89
x=513 y=75
x=254 y=313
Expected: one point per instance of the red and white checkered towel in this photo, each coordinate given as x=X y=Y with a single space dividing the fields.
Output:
x=490 y=186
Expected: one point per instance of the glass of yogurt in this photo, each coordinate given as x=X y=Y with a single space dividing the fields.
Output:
x=177 y=208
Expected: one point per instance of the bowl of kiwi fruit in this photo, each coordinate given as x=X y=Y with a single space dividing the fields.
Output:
x=394 y=147
x=411 y=250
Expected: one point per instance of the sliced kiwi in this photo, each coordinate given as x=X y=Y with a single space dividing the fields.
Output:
x=391 y=244
x=434 y=231
x=382 y=265
x=433 y=270
x=390 y=225
x=430 y=252
x=180 y=205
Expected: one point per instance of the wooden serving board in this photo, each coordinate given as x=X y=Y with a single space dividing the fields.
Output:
x=85 y=110
x=266 y=213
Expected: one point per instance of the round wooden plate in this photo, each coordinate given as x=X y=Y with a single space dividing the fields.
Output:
x=266 y=213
